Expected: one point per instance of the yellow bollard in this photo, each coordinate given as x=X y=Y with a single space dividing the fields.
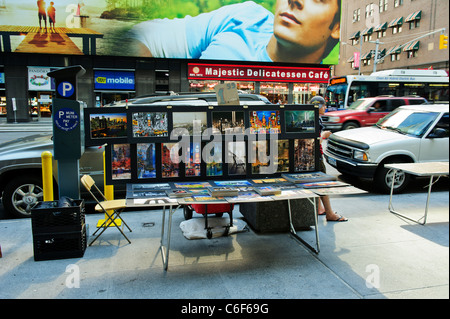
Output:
x=108 y=190
x=47 y=175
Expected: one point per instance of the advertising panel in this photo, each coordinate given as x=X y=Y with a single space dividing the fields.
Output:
x=234 y=30
x=114 y=80
x=38 y=80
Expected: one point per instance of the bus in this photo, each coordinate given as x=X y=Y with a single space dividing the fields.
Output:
x=430 y=84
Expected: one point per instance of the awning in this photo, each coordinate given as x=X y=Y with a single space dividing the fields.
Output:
x=396 y=22
x=394 y=50
x=413 y=46
x=381 y=54
x=351 y=59
x=381 y=27
x=355 y=35
x=414 y=16
x=367 y=56
x=367 y=31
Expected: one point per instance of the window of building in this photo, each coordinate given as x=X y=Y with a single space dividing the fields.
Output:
x=383 y=5
x=396 y=29
x=369 y=10
x=398 y=3
x=356 y=15
x=411 y=54
x=395 y=57
x=414 y=24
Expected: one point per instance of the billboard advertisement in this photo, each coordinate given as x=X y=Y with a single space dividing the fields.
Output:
x=114 y=80
x=286 y=31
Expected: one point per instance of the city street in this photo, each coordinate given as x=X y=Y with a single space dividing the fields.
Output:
x=441 y=188
x=375 y=255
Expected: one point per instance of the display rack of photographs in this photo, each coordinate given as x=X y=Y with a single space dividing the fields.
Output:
x=224 y=142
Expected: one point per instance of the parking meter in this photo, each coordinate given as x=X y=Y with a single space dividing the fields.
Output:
x=68 y=129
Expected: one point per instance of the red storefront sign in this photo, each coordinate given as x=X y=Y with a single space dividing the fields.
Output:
x=230 y=72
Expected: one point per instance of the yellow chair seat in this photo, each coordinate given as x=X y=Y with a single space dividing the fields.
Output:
x=111 y=204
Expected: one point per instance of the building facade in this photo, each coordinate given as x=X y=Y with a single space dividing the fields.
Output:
x=27 y=91
x=408 y=32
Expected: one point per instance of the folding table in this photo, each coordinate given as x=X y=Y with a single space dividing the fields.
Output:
x=419 y=169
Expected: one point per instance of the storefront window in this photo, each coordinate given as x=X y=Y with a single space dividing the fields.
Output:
x=275 y=92
x=2 y=103
x=106 y=98
x=202 y=86
x=40 y=103
x=304 y=92
x=247 y=87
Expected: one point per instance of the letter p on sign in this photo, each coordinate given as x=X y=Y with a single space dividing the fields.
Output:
x=66 y=89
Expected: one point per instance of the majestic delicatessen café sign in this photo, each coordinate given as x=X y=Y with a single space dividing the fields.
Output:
x=257 y=73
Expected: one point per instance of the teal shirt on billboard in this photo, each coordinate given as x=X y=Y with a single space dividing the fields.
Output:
x=234 y=32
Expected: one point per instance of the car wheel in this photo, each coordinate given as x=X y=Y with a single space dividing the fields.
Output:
x=350 y=125
x=21 y=194
x=384 y=178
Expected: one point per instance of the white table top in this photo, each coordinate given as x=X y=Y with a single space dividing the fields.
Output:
x=422 y=169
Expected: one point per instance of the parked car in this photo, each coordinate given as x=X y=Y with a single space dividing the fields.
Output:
x=21 y=171
x=409 y=134
x=197 y=99
x=21 y=163
x=366 y=112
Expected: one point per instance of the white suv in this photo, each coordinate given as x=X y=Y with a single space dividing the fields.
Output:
x=409 y=134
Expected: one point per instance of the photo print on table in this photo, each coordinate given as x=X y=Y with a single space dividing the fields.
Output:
x=170 y=160
x=193 y=160
x=228 y=122
x=146 y=160
x=214 y=165
x=304 y=155
x=150 y=124
x=236 y=158
x=121 y=161
x=108 y=125
x=189 y=123
x=299 y=121
x=262 y=122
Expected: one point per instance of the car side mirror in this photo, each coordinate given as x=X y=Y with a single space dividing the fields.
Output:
x=370 y=109
x=438 y=133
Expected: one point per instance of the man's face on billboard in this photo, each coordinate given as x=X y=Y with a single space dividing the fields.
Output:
x=306 y=23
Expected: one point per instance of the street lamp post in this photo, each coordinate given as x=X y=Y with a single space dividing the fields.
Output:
x=375 y=59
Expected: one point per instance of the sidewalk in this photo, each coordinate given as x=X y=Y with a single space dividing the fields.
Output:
x=41 y=125
x=375 y=255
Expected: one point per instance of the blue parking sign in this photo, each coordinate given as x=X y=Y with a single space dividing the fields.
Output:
x=66 y=89
x=66 y=119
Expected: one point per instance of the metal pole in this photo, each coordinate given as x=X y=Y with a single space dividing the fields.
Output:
x=377 y=42
x=47 y=175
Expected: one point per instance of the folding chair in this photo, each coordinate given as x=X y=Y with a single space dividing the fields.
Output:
x=105 y=206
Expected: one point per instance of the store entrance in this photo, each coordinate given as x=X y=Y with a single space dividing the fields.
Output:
x=277 y=93
x=40 y=103
x=2 y=103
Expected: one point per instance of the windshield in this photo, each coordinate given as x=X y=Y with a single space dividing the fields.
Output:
x=360 y=105
x=408 y=122
x=335 y=94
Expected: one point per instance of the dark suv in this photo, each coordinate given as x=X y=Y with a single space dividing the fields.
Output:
x=366 y=112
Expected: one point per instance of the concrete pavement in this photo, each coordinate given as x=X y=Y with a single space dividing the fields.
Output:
x=372 y=256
